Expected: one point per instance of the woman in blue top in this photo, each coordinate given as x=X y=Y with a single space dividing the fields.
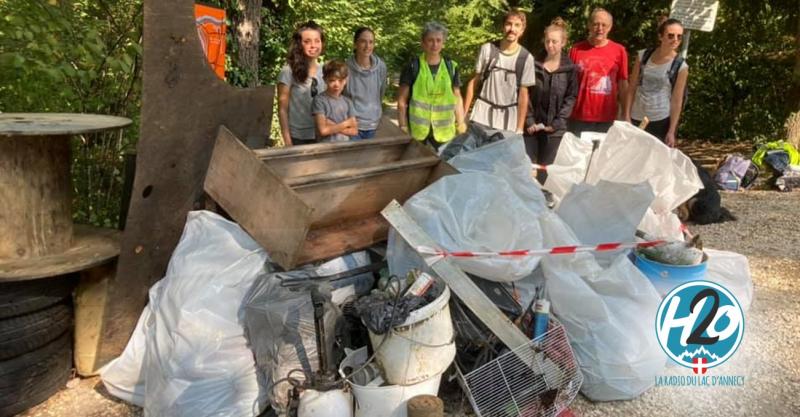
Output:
x=367 y=83
x=299 y=82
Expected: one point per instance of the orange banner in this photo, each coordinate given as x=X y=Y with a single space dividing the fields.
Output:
x=211 y=29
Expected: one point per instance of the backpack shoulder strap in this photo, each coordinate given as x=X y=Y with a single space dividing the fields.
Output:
x=645 y=57
x=451 y=70
x=674 y=69
x=520 y=67
x=414 y=69
x=494 y=56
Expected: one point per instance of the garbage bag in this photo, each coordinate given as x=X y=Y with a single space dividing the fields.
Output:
x=605 y=212
x=473 y=212
x=196 y=361
x=506 y=159
x=279 y=323
x=608 y=315
x=474 y=138
x=123 y=376
x=663 y=225
x=630 y=155
x=570 y=165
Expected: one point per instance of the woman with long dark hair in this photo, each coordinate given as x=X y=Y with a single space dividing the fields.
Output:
x=658 y=84
x=299 y=82
x=367 y=82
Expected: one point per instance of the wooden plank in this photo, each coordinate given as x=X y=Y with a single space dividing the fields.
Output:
x=342 y=238
x=359 y=198
x=183 y=105
x=315 y=159
x=91 y=300
x=457 y=280
x=255 y=197
x=351 y=174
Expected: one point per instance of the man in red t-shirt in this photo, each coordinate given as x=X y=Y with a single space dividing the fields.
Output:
x=602 y=74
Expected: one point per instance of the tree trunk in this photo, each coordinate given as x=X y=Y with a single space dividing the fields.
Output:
x=248 y=28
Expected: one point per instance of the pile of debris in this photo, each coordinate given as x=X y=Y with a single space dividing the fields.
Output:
x=523 y=305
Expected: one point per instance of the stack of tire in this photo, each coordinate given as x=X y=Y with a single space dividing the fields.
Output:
x=35 y=341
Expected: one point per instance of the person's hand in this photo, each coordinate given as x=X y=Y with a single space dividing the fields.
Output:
x=404 y=129
x=531 y=129
x=549 y=129
x=670 y=139
x=461 y=127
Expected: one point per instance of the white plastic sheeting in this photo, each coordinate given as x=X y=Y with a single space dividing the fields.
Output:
x=629 y=155
x=605 y=212
x=196 y=360
x=608 y=315
x=493 y=205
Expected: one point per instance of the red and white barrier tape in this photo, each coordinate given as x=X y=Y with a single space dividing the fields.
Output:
x=539 y=167
x=433 y=255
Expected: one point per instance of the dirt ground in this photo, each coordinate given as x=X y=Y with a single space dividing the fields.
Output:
x=767 y=232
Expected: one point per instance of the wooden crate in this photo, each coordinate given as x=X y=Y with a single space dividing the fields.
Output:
x=315 y=202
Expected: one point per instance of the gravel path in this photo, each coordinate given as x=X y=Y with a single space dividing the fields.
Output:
x=768 y=233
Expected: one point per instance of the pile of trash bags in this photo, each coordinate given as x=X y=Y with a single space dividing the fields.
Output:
x=227 y=334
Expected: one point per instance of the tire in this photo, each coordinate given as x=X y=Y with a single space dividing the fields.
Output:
x=22 y=297
x=31 y=378
x=22 y=334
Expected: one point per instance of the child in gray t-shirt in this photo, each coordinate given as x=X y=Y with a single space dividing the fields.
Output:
x=334 y=113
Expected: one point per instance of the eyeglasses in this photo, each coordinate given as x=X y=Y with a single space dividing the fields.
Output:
x=314 y=87
x=673 y=36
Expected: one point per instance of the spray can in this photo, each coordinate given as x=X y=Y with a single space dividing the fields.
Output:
x=541 y=317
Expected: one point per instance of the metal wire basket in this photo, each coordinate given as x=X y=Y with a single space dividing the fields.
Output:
x=540 y=378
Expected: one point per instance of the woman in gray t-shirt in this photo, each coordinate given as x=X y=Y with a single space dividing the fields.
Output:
x=299 y=82
x=654 y=93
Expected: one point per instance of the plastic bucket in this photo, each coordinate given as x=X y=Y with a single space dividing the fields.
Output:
x=420 y=348
x=334 y=403
x=666 y=277
x=386 y=401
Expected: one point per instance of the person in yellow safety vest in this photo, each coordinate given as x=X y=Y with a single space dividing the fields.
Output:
x=429 y=101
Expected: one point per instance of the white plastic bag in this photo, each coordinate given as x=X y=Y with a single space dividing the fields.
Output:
x=197 y=362
x=508 y=160
x=123 y=376
x=570 y=165
x=606 y=212
x=630 y=155
x=473 y=212
x=665 y=225
x=608 y=315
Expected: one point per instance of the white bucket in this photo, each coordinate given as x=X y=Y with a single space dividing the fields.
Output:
x=420 y=348
x=333 y=403
x=386 y=401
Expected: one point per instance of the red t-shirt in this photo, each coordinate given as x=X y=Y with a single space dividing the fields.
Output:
x=599 y=71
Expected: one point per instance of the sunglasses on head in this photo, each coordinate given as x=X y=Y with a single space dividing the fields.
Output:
x=673 y=36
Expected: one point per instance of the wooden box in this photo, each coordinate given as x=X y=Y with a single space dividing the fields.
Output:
x=315 y=202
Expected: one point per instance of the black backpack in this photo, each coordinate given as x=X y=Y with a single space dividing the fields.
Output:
x=672 y=74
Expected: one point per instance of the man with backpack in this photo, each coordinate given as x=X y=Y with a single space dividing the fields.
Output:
x=602 y=77
x=429 y=104
x=503 y=72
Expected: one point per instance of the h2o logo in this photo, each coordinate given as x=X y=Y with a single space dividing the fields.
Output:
x=700 y=325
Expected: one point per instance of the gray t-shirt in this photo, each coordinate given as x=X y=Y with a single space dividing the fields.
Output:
x=653 y=96
x=500 y=88
x=335 y=109
x=301 y=123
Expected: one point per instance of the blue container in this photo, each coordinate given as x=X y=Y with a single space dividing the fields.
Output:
x=666 y=277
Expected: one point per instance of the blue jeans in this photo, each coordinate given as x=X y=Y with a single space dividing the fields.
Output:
x=364 y=134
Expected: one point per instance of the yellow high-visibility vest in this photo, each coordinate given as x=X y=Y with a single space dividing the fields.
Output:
x=432 y=104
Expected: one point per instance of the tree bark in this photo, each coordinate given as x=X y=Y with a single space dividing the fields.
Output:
x=248 y=28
